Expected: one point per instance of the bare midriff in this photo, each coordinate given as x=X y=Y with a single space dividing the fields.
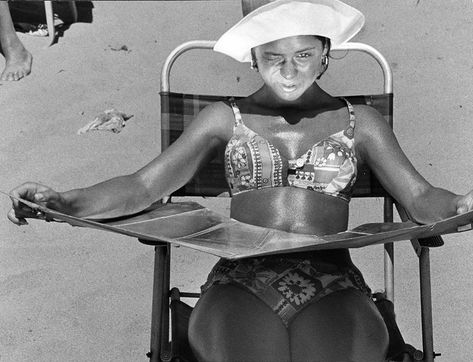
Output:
x=295 y=210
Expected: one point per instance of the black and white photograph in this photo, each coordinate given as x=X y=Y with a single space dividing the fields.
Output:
x=236 y=180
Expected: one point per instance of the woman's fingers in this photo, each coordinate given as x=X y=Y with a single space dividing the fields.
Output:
x=47 y=197
x=465 y=203
x=16 y=219
x=18 y=216
x=33 y=192
x=25 y=191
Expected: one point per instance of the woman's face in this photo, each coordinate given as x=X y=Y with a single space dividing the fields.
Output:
x=290 y=66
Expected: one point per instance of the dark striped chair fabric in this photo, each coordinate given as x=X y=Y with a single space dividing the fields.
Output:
x=178 y=110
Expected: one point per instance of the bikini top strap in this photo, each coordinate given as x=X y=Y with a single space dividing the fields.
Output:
x=350 y=130
x=236 y=111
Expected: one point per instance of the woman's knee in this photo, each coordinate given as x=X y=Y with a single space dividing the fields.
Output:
x=345 y=325
x=230 y=324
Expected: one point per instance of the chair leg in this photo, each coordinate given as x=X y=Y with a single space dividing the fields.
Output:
x=159 y=344
x=388 y=252
x=73 y=8
x=48 y=8
x=389 y=271
x=426 y=305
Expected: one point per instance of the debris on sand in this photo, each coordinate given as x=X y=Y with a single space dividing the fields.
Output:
x=121 y=48
x=109 y=120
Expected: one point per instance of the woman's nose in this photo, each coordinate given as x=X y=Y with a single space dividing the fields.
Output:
x=288 y=70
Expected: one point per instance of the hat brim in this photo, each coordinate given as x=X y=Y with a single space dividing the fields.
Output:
x=280 y=19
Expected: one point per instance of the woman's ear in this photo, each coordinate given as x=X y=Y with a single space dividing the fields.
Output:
x=324 y=60
x=254 y=63
x=323 y=65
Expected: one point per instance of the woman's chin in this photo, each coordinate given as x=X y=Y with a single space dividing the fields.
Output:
x=289 y=96
x=285 y=92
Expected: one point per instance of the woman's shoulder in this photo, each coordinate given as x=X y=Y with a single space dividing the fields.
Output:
x=216 y=118
x=368 y=119
x=219 y=109
x=369 y=113
x=371 y=129
x=219 y=112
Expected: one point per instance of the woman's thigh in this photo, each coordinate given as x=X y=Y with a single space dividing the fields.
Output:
x=231 y=324
x=343 y=326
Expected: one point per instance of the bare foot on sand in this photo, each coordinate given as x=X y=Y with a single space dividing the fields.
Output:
x=18 y=62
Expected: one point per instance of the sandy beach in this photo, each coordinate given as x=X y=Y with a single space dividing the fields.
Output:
x=73 y=294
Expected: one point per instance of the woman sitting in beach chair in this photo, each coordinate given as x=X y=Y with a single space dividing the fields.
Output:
x=292 y=152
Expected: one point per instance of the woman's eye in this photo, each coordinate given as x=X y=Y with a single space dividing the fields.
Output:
x=274 y=60
x=303 y=55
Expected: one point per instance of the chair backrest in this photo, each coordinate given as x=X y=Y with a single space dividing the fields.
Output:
x=178 y=110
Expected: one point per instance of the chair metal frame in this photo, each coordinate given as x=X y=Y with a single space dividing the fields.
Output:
x=160 y=345
x=48 y=8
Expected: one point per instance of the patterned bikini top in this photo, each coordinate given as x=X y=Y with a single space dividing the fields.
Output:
x=328 y=167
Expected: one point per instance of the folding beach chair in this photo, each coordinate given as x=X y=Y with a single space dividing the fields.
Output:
x=177 y=110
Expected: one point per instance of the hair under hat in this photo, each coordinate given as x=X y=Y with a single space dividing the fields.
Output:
x=280 y=19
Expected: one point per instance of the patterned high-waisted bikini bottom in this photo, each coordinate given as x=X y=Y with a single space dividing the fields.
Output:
x=286 y=285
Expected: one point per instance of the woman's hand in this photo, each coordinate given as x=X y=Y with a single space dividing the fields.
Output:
x=36 y=193
x=465 y=203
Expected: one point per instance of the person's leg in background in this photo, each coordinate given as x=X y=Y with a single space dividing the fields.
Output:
x=18 y=60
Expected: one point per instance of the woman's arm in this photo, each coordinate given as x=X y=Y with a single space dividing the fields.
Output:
x=129 y=194
x=378 y=147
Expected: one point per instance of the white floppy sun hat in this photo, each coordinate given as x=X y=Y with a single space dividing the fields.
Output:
x=280 y=19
